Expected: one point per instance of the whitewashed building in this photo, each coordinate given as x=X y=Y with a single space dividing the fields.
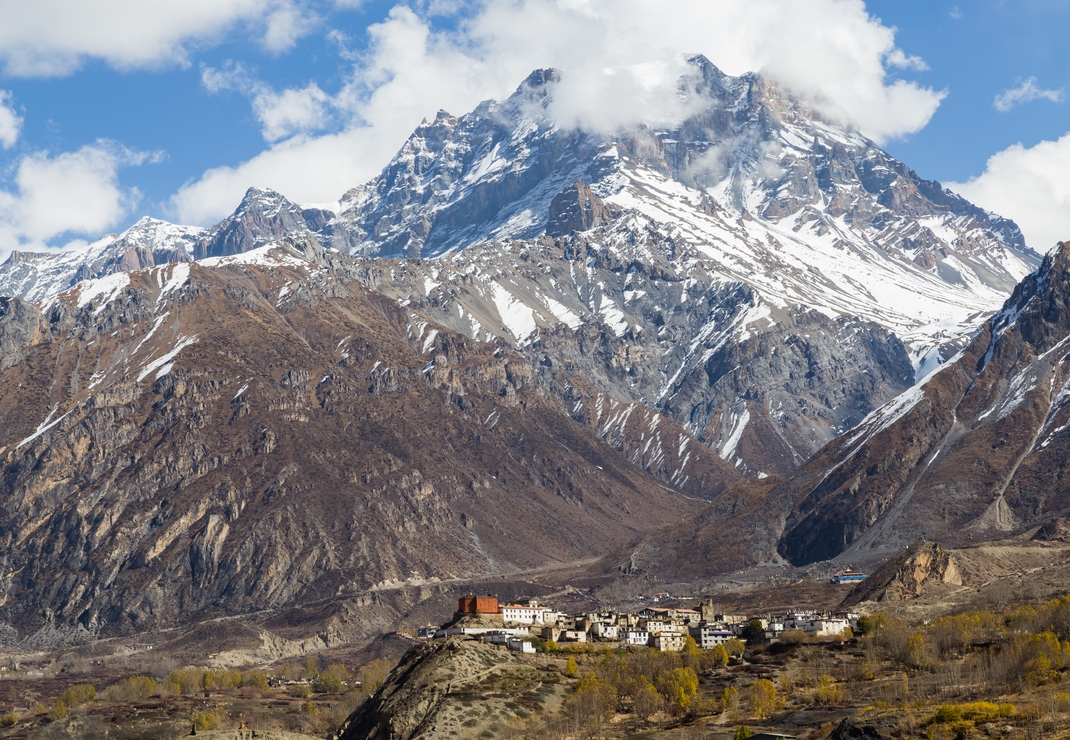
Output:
x=513 y=643
x=530 y=613
x=707 y=637
x=605 y=631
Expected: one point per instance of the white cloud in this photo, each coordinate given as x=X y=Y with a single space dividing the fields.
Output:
x=233 y=76
x=55 y=37
x=620 y=61
x=291 y=111
x=285 y=25
x=10 y=121
x=281 y=114
x=902 y=60
x=832 y=47
x=1026 y=92
x=73 y=192
x=1029 y=186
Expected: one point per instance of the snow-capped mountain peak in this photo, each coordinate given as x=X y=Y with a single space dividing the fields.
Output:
x=755 y=219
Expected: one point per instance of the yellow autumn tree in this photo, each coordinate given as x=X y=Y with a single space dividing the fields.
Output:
x=763 y=699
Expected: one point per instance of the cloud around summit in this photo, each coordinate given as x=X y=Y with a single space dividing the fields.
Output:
x=619 y=60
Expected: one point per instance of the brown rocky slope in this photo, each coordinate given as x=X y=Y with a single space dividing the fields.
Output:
x=261 y=431
x=977 y=452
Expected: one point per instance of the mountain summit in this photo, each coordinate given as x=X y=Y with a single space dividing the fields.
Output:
x=759 y=274
x=770 y=277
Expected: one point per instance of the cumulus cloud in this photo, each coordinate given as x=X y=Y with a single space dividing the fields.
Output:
x=10 y=121
x=1026 y=92
x=620 y=61
x=73 y=192
x=281 y=114
x=285 y=25
x=55 y=37
x=1030 y=186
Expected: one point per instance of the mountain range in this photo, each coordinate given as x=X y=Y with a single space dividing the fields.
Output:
x=523 y=345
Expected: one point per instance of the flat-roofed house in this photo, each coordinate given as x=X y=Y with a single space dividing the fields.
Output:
x=669 y=642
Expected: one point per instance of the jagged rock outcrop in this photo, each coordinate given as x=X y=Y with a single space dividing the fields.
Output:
x=867 y=727
x=430 y=693
x=907 y=575
x=577 y=208
x=21 y=327
x=1056 y=530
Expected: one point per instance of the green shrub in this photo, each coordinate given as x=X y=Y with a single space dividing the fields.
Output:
x=255 y=679
x=735 y=647
x=872 y=623
x=133 y=688
x=9 y=720
x=58 y=710
x=977 y=711
x=186 y=681
x=229 y=679
x=300 y=691
x=208 y=680
x=792 y=637
x=827 y=691
x=328 y=682
x=205 y=720
x=571 y=669
x=719 y=656
x=763 y=698
x=78 y=695
x=679 y=687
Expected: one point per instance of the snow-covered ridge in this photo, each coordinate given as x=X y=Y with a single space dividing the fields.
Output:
x=38 y=276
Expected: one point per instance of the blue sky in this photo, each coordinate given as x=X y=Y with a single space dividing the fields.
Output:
x=976 y=50
x=148 y=107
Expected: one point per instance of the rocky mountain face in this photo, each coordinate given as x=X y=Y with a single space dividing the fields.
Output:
x=262 y=217
x=518 y=346
x=263 y=430
x=976 y=452
x=771 y=278
x=760 y=275
x=762 y=386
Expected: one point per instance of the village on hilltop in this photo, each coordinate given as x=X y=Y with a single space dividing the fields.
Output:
x=517 y=625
